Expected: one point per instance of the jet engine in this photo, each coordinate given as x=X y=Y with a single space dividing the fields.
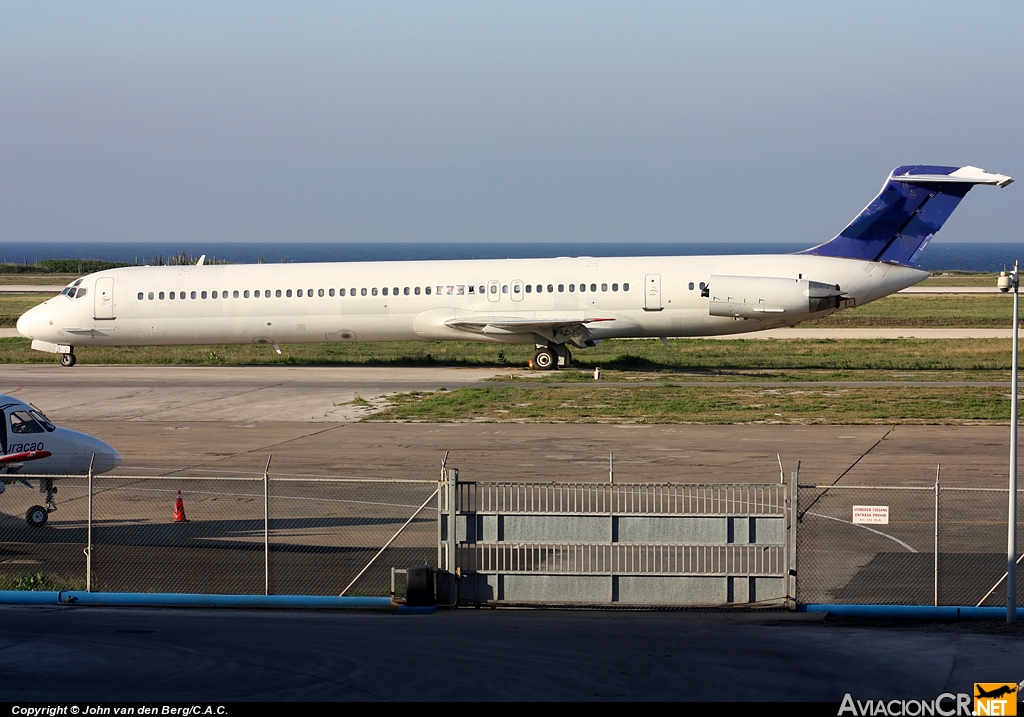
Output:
x=765 y=297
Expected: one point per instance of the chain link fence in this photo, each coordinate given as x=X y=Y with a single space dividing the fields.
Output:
x=250 y=535
x=903 y=545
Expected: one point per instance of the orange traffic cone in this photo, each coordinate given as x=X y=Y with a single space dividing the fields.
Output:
x=179 y=510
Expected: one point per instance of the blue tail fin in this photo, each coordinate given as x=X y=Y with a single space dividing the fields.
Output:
x=914 y=203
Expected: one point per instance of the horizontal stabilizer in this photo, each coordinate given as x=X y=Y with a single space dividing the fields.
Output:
x=914 y=203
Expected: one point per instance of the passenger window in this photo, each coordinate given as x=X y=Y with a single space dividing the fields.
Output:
x=234 y=294
x=504 y=288
x=551 y=289
x=691 y=286
x=245 y=293
x=427 y=290
x=330 y=292
x=561 y=288
x=450 y=290
x=320 y=292
x=702 y=286
x=160 y=296
x=416 y=291
x=341 y=292
x=298 y=293
x=383 y=291
x=309 y=293
x=21 y=422
x=203 y=295
x=288 y=293
x=481 y=289
x=193 y=294
x=151 y=296
x=583 y=287
x=625 y=287
x=394 y=291
x=171 y=296
x=214 y=295
x=604 y=287
x=494 y=288
x=515 y=288
x=256 y=294
x=529 y=288
x=615 y=287
x=472 y=290
x=362 y=292
x=140 y=295
x=572 y=288
x=352 y=292
x=593 y=287
x=406 y=291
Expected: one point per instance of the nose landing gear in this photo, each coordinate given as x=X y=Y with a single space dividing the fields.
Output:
x=68 y=360
x=37 y=515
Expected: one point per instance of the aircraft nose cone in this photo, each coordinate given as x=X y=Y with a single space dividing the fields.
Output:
x=107 y=459
x=25 y=322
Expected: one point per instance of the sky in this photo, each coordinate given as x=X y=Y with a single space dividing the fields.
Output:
x=497 y=121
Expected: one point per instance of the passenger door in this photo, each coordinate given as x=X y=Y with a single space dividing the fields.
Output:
x=652 y=292
x=103 y=299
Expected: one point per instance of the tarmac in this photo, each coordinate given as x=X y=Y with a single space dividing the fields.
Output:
x=160 y=655
x=227 y=420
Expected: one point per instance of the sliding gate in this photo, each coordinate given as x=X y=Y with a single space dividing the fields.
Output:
x=607 y=544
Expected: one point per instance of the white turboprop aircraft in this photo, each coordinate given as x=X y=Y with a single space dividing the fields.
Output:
x=547 y=302
x=30 y=442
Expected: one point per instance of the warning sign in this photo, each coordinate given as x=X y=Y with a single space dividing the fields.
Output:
x=871 y=514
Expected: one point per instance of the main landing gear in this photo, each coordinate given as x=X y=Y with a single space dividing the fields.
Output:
x=68 y=359
x=549 y=358
x=37 y=515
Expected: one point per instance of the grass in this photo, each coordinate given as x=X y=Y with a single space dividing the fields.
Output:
x=683 y=355
x=960 y=278
x=927 y=311
x=41 y=581
x=13 y=306
x=696 y=405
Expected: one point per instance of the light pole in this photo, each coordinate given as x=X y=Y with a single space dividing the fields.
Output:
x=1005 y=283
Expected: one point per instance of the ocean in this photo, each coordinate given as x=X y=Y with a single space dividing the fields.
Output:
x=981 y=256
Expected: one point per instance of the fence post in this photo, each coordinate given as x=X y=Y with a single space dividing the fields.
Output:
x=88 y=547
x=938 y=467
x=453 y=486
x=794 y=491
x=266 y=526
x=441 y=489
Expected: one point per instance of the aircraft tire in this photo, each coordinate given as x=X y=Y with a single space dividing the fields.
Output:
x=67 y=360
x=545 y=359
x=36 y=516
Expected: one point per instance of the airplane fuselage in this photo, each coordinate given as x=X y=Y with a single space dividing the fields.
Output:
x=509 y=301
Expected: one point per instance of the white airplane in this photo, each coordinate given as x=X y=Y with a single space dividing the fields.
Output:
x=552 y=303
x=29 y=441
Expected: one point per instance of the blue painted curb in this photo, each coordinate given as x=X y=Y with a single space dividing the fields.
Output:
x=29 y=597
x=80 y=597
x=915 y=612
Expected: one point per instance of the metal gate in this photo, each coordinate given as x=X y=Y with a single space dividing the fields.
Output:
x=631 y=544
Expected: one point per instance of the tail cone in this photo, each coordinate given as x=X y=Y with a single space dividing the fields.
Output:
x=179 y=510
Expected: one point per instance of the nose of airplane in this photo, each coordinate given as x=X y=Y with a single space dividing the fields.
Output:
x=107 y=458
x=28 y=323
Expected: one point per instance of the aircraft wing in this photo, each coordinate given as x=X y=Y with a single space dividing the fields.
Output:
x=516 y=325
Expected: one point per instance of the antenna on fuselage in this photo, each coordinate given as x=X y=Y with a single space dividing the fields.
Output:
x=202 y=260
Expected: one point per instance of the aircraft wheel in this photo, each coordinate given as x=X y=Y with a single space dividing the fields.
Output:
x=545 y=359
x=36 y=516
x=67 y=360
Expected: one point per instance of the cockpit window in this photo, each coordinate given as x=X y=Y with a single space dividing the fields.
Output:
x=22 y=422
x=43 y=420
